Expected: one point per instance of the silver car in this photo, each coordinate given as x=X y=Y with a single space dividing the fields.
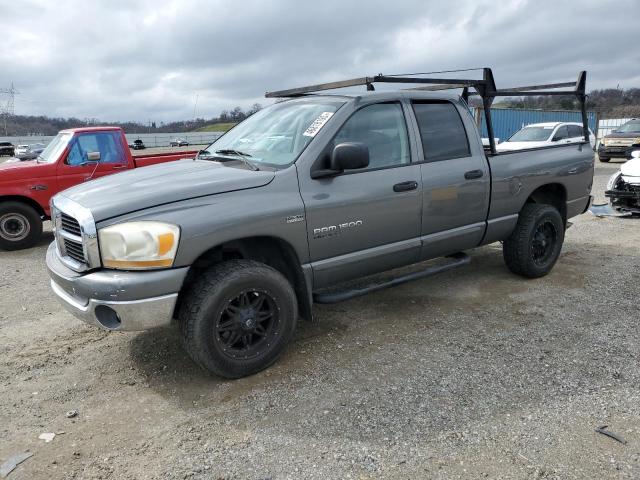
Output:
x=29 y=152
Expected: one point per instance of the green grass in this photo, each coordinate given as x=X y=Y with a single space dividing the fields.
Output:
x=216 y=127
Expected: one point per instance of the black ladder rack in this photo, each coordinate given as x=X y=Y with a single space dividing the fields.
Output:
x=484 y=87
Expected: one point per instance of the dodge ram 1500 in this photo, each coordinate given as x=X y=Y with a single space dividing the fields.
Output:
x=234 y=245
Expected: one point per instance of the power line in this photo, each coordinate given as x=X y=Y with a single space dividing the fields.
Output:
x=11 y=92
x=8 y=109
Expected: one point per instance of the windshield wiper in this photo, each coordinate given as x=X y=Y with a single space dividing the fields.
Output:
x=229 y=151
x=243 y=156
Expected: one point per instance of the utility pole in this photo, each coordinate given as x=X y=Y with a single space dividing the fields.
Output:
x=195 y=104
x=8 y=109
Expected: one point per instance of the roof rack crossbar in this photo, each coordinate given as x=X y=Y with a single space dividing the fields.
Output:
x=539 y=87
x=485 y=88
x=294 y=92
x=448 y=86
x=524 y=93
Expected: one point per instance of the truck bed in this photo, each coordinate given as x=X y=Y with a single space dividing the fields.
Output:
x=516 y=175
x=146 y=159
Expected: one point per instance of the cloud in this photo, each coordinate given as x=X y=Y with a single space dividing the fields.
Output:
x=141 y=59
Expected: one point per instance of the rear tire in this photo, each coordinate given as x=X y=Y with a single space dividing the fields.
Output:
x=238 y=317
x=533 y=247
x=20 y=226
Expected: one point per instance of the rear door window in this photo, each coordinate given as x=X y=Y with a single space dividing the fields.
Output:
x=441 y=130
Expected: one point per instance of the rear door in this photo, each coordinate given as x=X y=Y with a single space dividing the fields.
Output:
x=455 y=177
x=77 y=167
x=367 y=220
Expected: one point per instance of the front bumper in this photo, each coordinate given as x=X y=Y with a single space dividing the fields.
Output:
x=625 y=200
x=616 y=151
x=117 y=300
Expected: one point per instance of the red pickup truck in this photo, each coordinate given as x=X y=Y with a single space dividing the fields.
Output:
x=74 y=156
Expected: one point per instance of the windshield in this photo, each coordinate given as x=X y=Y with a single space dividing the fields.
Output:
x=532 y=134
x=630 y=127
x=276 y=135
x=55 y=148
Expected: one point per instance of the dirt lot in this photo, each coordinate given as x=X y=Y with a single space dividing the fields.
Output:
x=474 y=373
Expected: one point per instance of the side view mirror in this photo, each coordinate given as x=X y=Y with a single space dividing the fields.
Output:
x=345 y=156
x=556 y=139
x=349 y=156
x=93 y=157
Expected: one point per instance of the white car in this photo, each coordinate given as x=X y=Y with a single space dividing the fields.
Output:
x=544 y=135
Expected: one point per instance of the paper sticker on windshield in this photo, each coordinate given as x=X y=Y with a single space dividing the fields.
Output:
x=317 y=124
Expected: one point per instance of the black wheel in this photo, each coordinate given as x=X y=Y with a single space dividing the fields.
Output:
x=604 y=159
x=20 y=226
x=237 y=318
x=533 y=247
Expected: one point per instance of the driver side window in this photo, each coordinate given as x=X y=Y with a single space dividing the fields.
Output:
x=75 y=156
x=382 y=128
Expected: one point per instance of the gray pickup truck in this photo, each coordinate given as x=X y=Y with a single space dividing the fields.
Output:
x=234 y=245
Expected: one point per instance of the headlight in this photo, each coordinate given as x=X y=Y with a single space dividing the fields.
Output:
x=636 y=141
x=603 y=142
x=613 y=179
x=139 y=245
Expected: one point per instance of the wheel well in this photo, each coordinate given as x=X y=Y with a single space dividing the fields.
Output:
x=271 y=251
x=552 y=194
x=26 y=200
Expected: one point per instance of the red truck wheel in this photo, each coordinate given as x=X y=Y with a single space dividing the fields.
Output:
x=20 y=226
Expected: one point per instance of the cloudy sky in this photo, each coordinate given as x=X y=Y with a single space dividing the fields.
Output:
x=144 y=59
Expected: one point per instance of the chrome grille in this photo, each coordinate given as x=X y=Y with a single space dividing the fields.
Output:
x=75 y=233
x=70 y=224
x=622 y=142
x=74 y=250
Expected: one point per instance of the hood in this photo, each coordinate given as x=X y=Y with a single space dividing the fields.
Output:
x=15 y=169
x=631 y=171
x=622 y=135
x=508 y=146
x=160 y=184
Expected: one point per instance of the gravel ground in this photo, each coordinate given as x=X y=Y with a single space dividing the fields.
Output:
x=474 y=373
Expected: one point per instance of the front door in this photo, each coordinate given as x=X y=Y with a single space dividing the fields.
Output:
x=456 y=179
x=80 y=165
x=367 y=220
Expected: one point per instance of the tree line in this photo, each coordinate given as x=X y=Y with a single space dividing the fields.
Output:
x=23 y=125
x=609 y=102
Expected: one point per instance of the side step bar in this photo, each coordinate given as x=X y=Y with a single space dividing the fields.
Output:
x=457 y=260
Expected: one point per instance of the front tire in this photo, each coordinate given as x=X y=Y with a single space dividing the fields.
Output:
x=534 y=246
x=20 y=226
x=604 y=159
x=237 y=318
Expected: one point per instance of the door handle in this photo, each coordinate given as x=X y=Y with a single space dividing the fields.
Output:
x=471 y=174
x=119 y=167
x=405 y=186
